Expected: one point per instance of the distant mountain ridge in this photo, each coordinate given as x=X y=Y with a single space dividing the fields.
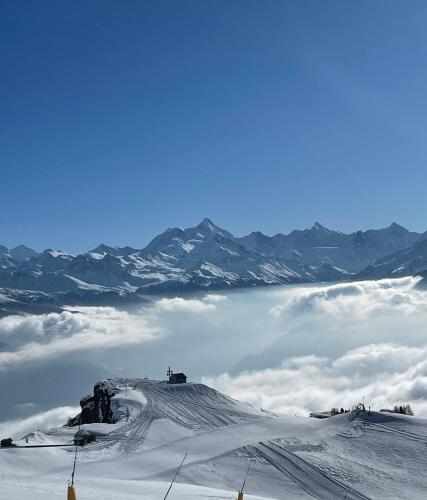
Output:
x=207 y=256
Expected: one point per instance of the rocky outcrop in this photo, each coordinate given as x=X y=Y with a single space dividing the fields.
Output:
x=96 y=407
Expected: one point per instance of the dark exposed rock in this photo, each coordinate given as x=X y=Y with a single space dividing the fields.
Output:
x=96 y=407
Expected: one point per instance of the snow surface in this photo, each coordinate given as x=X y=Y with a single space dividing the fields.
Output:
x=353 y=456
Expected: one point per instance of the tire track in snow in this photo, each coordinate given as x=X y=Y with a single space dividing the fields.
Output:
x=139 y=426
x=356 y=431
x=191 y=408
x=185 y=412
x=192 y=413
x=405 y=434
x=311 y=479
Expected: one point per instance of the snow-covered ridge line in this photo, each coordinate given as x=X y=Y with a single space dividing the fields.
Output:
x=207 y=256
x=359 y=456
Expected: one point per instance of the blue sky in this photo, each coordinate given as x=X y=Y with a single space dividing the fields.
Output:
x=120 y=119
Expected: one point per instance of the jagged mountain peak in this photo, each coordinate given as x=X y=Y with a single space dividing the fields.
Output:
x=207 y=223
x=50 y=252
x=106 y=249
x=19 y=253
x=258 y=235
x=173 y=230
x=394 y=226
x=22 y=252
x=319 y=227
x=208 y=256
x=22 y=247
x=102 y=248
x=207 y=227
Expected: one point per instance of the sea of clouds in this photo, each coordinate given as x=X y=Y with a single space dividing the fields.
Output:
x=291 y=349
x=343 y=344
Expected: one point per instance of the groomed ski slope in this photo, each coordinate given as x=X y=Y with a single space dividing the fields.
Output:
x=356 y=457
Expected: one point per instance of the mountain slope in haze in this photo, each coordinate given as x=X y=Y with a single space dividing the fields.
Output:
x=409 y=261
x=352 y=252
x=206 y=256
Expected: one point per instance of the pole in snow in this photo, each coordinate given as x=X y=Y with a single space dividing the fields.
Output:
x=174 y=477
x=71 y=493
x=74 y=467
x=240 y=495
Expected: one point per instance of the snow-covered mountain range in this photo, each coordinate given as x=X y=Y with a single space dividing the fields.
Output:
x=207 y=256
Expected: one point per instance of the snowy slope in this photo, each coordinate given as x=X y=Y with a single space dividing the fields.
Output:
x=318 y=244
x=406 y=262
x=353 y=456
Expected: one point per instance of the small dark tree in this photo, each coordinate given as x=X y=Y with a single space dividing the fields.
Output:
x=403 y=409
x=408 y=410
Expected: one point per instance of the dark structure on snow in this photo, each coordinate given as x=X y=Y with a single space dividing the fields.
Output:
x=84 y=437
x=176 y=378
x=7 y=443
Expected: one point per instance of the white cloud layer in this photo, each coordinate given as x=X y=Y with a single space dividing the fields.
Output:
x=361 y=300
x=383 y=374
x=34 y=338
x=215 y=297
x=41 y=421
x=303 y=348
x=29 y=339
x=339 y=343
x=179 y=304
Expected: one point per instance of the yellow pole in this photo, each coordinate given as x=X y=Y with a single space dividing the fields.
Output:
x=240 y=495
x=71 y=494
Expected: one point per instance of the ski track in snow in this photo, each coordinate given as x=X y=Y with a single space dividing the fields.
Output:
x=297 y=458
x=312 y=480
x=408 y=435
